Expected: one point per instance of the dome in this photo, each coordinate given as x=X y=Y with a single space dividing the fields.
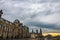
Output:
x=16 y=21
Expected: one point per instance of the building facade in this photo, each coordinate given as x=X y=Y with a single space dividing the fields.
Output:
x=12 y=30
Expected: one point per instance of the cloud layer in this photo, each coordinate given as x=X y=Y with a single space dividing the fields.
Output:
x=33 y=13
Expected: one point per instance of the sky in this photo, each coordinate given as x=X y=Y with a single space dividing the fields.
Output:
x=35 y=14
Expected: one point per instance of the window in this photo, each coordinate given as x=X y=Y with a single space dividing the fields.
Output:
x=0 y=25
x=5 y=27
x=10 y=30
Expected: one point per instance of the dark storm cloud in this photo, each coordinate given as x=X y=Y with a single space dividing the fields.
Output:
x=43 y=25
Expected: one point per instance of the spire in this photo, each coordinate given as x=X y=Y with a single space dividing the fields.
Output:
x=1 y=13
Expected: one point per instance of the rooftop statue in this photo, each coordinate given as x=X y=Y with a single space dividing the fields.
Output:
x=1 y=13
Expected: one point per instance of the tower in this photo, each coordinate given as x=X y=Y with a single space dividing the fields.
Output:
x=32 y=31
x=37 y=31
x=1 y=13
x=40 y=32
